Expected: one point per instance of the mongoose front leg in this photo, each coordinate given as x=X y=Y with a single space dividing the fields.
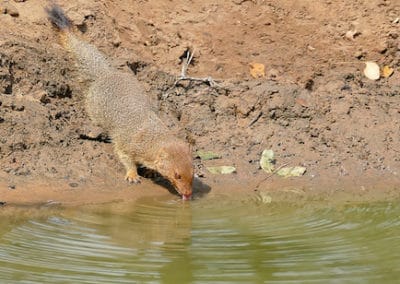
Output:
x=132 y=176
x=130 y=166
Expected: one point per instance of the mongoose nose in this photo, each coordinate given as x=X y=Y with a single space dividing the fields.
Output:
x=186 y=196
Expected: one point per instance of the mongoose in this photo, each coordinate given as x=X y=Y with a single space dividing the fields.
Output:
x=116 y=102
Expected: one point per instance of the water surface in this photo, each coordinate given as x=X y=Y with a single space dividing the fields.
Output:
x=211 y=240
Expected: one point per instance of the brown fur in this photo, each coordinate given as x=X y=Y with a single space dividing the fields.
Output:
x=117 y=103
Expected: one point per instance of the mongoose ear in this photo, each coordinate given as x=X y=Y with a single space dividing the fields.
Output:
x=177 y=176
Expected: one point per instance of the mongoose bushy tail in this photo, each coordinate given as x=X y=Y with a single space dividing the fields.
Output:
x=117 y=103
x=91 y=60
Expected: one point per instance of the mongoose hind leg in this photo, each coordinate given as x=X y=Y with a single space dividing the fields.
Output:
x=130 y=166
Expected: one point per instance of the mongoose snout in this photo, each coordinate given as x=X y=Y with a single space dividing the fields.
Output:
x=176 y=164
x=117 y=103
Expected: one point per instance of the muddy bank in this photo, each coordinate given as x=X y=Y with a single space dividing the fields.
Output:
x=314 y=107
x=48 y=194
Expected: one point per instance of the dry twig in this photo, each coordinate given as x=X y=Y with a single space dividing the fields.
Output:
x=269 y=176
x=255 y=119
x=183 y=77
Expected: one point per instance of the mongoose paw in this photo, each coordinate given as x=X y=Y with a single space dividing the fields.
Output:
x=132 y=177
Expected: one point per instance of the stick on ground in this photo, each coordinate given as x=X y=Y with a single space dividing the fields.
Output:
x=183 y=77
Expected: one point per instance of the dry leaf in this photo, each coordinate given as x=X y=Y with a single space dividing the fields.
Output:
x=291 y=171
x=371 y=70
x=257 y=70
x=267 y=161
x=222 y=170
x=207 y=155
x=387 y=71
x=265 y=198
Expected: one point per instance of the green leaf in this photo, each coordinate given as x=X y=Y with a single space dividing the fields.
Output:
x=267 y=160
x=222 y=170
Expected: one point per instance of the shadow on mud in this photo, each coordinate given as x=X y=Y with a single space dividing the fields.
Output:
x=200 y=189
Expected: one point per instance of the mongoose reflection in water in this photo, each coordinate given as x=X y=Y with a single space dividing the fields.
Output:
x=117 y=103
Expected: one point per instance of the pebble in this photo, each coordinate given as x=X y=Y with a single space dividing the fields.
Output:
x=116 y=42
x=11 y=10
x=73 y=184
x=44 y=99
x=359 y=54
x=76 y=18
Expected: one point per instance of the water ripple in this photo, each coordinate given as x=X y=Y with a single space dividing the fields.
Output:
x=216 y=240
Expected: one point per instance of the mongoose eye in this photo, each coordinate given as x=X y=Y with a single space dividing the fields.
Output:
x=177 y=176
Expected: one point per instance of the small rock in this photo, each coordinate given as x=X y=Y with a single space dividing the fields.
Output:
x=11 y=187
x=2 y=203
x=95 y=131
x=239 y=2
x=18 y=146
x=44 y=99
x=382 y=47
x=19 y=1
x=359 y=54
x=87 y=13
x=351 y=35
x=273 y=74
x=58 y=90
x=73 y=184
x=302 y=102
x=17 y=107
x=76 y=18
x=393 y=35
x=11 y=10
x=371 y=70
x=116 y=42
x=309 y=84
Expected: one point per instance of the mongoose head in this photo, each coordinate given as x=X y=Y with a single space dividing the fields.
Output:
x=176 y=164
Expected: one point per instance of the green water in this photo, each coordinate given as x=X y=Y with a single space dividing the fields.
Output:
x=212 y=240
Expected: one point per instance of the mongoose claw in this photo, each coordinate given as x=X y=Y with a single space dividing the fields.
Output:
x=132 y=177
x=133 y=180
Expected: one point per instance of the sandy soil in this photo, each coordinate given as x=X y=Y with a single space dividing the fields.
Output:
x=314 y=107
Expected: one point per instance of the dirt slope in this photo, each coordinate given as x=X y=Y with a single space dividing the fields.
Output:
x=314 y=107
